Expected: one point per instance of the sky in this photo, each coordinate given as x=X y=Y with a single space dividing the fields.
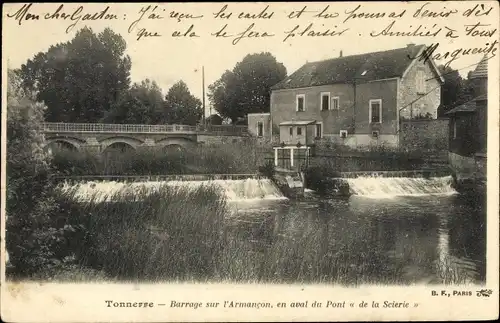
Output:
x=167 y=60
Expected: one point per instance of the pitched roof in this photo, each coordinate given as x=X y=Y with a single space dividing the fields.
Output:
x=367 y=67
x=469 y=106
x=466 y=107
x=481 y=69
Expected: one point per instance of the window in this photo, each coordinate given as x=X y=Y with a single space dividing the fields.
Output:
x=343 y=134
x=319 y=131
x=301 y=102
x=325 y=101
x=291 y=131
x=327 y=104
x=455 y=129
x=260 y=129
x=375 y=134
x=375 y=113
x=299 y=131
x=335 y=103
x=420 y=82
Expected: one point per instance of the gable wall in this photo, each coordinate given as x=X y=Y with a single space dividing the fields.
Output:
x=408 y=92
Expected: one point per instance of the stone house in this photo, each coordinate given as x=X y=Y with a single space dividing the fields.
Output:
x=356 y=100
x=259 y=125
x=468 y=130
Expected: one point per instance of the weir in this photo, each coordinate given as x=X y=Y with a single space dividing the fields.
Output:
x=155 y=178
x=399 y=186
x=425 y=173
x=234 y=190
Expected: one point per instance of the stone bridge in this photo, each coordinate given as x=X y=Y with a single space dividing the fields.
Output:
x=102 y=137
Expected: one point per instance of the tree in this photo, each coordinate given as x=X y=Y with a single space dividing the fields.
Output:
x=81 y=79
x=26 y=157
x=246 y=89
x=454 y=91
x=29 y=206
x=214 y=119
x=181 y=107
x=142 y=104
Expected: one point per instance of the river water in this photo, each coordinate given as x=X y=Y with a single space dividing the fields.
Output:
x=391 y=231
x=405 y=239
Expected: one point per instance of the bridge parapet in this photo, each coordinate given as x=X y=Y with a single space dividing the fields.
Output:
x=52 y=127
x=117 y=128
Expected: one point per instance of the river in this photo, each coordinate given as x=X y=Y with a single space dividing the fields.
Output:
x=404 y=239
x=392 y=231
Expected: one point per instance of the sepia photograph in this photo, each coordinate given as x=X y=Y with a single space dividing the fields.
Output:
x=333 y=145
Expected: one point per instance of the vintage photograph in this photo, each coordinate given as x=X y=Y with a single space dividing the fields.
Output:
x=132 y=156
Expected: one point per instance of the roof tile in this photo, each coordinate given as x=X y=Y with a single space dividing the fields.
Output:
x=346 y=69
x=481 y=69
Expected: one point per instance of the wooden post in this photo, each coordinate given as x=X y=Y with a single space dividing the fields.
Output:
x=276 y=157
x=291 y=157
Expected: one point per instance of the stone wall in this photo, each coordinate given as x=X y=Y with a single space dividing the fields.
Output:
x=463 y=167
x=360 y=141
x=469 y=172
x=424 y=135
x=218 y=140
x=413 y=103
x=480 y=161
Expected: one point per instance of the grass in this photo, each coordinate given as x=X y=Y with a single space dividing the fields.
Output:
x=230 y=158
x=169 y=234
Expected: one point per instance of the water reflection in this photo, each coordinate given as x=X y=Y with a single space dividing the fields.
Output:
x=427 y=239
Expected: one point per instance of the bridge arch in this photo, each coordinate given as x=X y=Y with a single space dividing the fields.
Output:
x=176 y=142
x=66 y=142
x=117 y=142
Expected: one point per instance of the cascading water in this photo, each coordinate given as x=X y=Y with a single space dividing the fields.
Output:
x=400 y=186
x=235 y=190
x=238 y=190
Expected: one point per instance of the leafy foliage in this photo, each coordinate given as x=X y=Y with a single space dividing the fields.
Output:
x=246 y=89
x=142 y=104
x=455 y=90
x=215 y=119
x=32 y=234
x=268 y=169
x=81 y=79
x=181 y=107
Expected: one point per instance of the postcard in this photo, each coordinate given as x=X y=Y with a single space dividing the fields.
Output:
x=251 y=161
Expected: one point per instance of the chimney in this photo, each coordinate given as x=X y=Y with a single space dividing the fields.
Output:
x=410 y=45
x=340 y=55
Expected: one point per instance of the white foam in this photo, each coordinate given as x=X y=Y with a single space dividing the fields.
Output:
x=389 y=187
x=235 y=190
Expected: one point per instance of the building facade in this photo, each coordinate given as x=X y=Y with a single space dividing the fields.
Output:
x=468 y=130
x=357 y=100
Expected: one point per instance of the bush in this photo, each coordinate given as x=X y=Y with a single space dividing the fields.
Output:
x=204 y=159
x=376 y=160
x=268 y=169
x=319 y=179
x=31 y=235
x=135 y=162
